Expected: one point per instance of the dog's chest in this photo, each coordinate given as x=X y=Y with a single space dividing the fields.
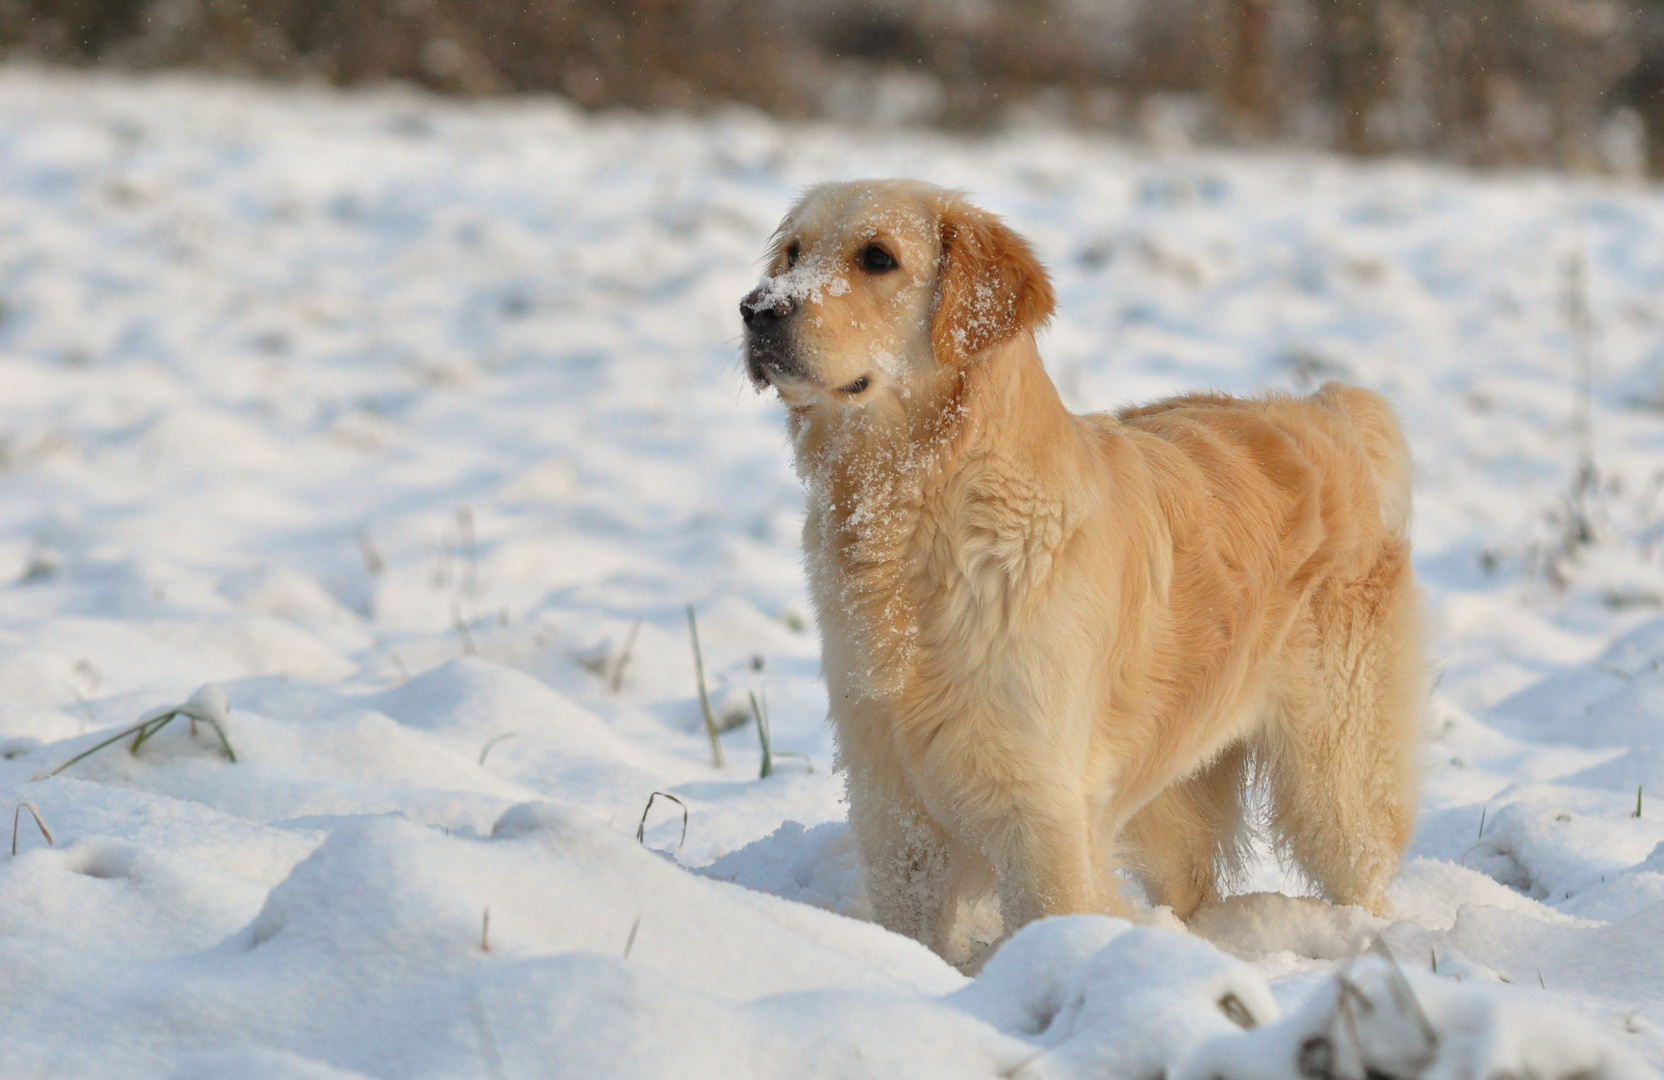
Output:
x=995 y=533
x=947 y=572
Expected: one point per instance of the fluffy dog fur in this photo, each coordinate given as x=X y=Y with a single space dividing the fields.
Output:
x=1053 y=642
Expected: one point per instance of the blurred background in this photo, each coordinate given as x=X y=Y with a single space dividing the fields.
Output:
x=1572 y=83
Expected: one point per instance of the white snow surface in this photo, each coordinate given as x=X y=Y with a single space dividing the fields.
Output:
x=386 y=417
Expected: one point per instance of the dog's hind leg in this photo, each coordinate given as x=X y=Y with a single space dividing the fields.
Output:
x=1189 y=840
x=1340 y=753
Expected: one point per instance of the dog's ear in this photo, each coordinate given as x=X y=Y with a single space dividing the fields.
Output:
x=989 y=285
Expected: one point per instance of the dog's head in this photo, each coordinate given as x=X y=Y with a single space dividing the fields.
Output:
x=879 y=288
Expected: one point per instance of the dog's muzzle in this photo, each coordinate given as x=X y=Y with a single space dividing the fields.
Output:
x=766 y=348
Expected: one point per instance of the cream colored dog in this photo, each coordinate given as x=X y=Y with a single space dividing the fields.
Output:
x=1053 y=640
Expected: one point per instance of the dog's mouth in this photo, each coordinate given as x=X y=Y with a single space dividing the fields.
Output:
x=770 y=363
x=766 y=371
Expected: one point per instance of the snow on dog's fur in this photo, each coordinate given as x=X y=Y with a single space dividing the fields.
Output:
x=1055 y=641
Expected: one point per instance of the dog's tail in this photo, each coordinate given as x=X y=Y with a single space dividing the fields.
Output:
x=1377 y=431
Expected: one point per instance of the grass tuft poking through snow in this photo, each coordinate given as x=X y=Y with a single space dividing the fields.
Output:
x=206 y=706
x=641 y=826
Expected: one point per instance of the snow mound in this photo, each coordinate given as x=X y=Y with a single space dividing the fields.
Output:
x=414 y=427
x=819 y=867
x=1372 y=1020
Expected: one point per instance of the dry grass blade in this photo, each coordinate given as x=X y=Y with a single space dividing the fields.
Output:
x=461 y=626
x=39 y=823
x=86 y=706
x=117 y=737
x=1405 y=995
x=797 y=755
x=196 y=715
x=762 y=738
x=373 y=563
x=146 y=730
x=641 y=826
x=469 y=550
x=1237 y=1013
x=717 y=761
x=489 y=743
x=630 y=942
x=1350 y=1003
x=765 y=737
x=616 y=682
x=1580 y=318
x=485 y=930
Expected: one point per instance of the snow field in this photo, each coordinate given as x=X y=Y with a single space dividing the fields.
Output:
x=395 y=418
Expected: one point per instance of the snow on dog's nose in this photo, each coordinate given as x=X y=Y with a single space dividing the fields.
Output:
x=763 y=307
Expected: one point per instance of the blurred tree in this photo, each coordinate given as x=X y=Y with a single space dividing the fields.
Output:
x=1246 y=84
x=1643 y=87
x=1357 y=68
x=1486 y=81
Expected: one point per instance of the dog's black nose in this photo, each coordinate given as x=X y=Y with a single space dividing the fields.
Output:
x=760 y=309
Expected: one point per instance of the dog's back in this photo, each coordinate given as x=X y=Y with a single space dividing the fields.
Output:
x=1286 y=520
x=1348 y=432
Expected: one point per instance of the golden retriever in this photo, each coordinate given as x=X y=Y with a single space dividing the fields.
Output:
x=1052 y=642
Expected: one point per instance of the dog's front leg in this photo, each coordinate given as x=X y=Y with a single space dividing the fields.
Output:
x=904 y=851
x=1043 y=856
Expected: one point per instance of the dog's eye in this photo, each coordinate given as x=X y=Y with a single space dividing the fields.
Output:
x=875 y=259
x=792 y=252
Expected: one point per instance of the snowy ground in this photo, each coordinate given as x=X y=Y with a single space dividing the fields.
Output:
x=390 y=416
